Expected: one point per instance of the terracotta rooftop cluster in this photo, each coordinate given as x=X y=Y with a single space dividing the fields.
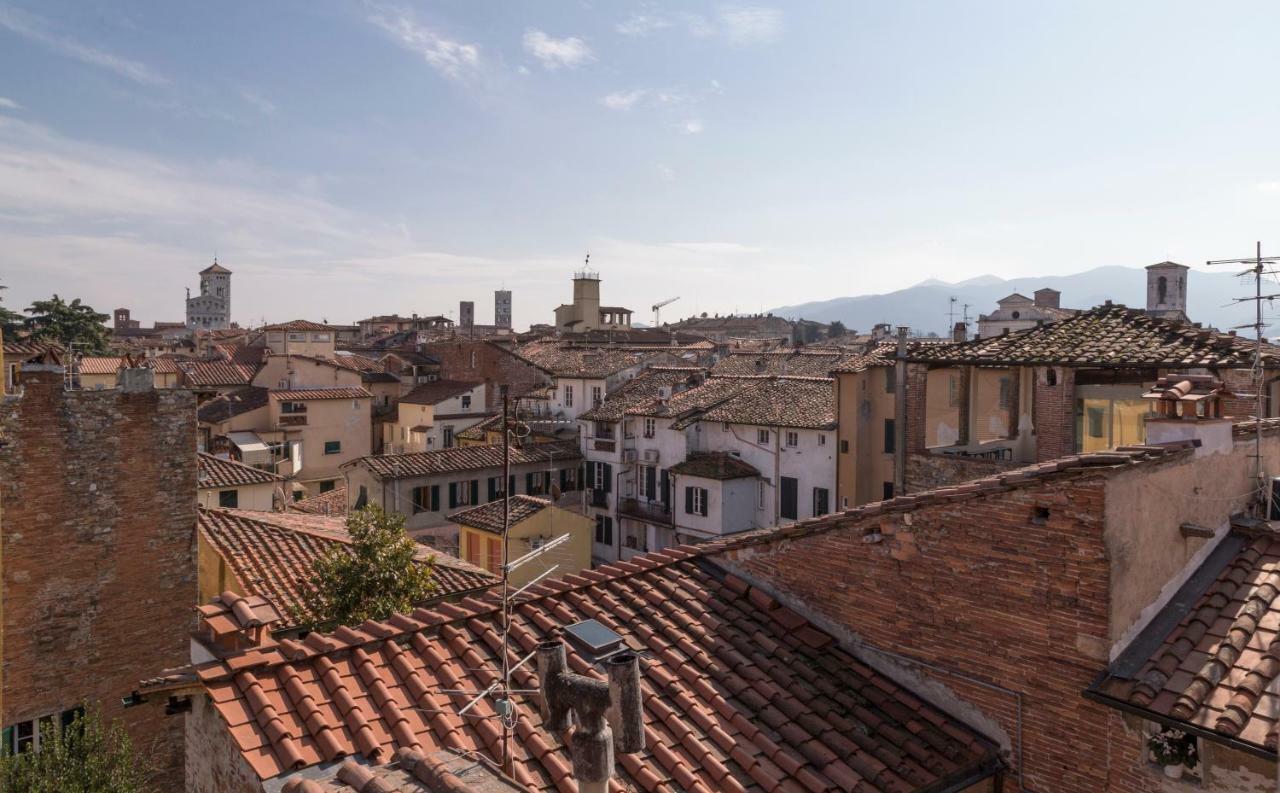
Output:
x=467 y=458
x=563 y=360
x=488 y=517
x=214 y=471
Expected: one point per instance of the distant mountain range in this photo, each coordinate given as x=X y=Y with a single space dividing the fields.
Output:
x=923 y=307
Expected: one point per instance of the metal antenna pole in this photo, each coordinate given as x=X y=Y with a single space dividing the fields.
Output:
x=506 y=582
x=1257 y=267
x=951 y=314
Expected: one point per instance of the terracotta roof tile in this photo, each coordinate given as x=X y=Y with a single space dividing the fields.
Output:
x=775 y=401
x=597 y=363
x=298 y=324
x=332 y=503
x=340 y=392
x=233 y=403
x=488 y=517
x=271 y=554
x=214 y=471
x=702 y=731
x=438 y=391
x=216 y=373
x=715 y=465
x=642 y=390
x=467 y=458
x=98 y=364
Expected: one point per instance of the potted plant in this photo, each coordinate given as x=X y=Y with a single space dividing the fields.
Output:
x=1173 y=749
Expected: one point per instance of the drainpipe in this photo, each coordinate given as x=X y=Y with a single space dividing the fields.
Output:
x=900 y=415
x=777 y=477
x=617 y=518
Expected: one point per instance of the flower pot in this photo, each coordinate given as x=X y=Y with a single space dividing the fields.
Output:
x=1174 y=771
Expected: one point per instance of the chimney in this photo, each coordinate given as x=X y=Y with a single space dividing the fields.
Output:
x=1188 y=407
x=959 y=332
x=135 y=380
x=590 y=706
x=1048 y=298
x=231 y=623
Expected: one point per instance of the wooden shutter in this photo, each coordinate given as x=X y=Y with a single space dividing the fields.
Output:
x=475 y=492
x=608 y=477
x=495 y=556
x=528 y=483
x=703 y=508
x=435 y=498
x=789 y=495
x=589 y=468
x=511 y=485
x=453 y=495
x=651 y=482
x=688 y=500
x=665 y=482
x=473 y=548
x=493 y=488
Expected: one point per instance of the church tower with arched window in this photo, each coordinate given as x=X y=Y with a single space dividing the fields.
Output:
x=211 y=309
x=1167 y=290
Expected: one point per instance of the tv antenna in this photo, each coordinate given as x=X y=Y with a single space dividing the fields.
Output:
x=1258 y=266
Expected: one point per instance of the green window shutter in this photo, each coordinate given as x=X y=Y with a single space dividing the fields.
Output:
x=703 y=509
x=493 y=488
x=475 y=491
x=453 y=495
x=608 y=477
x=435 y=498
x=688 y=500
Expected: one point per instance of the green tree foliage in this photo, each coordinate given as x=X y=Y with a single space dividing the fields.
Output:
x=66 y=323
x=373 y=578
x=10 y=321
x=86 y=757
x=836 y=329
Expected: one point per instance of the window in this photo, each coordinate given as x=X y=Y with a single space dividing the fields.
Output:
x=821 y=501
x=597 y=395
x=447 y=438
x=228 y=499
x=319 y=336
x=26 y=736
x=568 y=396
x=649 y=482
x=822 y=439
x=297 y=337
x=1006 y=392
x=695 y=501
x=426 y=499
x=889 y=376
x=466 y=401
x=793 y=438
x=790 y=490
x=650 y=427
x=604 y=530
x=362 y=500
x=293 y=407
x=844 y=446
x=1095 y=417
x=473 y=548
x=890 y=437
x=495 y=555
x=473 y=359
x=328 y=485
x=953 y=391
x=333 y=447
x=764 y=502
x=762 y=437
x=887 y=490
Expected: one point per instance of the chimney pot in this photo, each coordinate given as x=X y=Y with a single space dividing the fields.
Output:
x=626 y=715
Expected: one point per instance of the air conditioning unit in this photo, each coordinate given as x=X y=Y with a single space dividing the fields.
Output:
x=651 y=455
x=628 y=455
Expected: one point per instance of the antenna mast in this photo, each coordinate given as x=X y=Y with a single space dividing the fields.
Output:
x=1257 y=267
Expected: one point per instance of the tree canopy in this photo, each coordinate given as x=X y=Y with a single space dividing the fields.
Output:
x=372 y=578
x=85 y=756
x=66 y=323
x=10 y=321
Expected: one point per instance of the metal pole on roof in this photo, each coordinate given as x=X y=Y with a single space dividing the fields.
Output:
x=504 y=693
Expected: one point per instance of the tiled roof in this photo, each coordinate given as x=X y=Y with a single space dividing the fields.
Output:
x=477 y=431
x=488 y=517
x=800 y=402
x=642 y=390
x=595 y=363
x=411 y=771
x=340 y=392
x=1106 y=336
x=298 y=324
x=739 y=692
x=272 y=553
x=217 y=373
x=231 y=613
x=332 y=503
x=219 y=472
x=241 y=353
x=162 y=364
x=229 y=405
x=1216 y=667
x=715 y=465
x=25 y=349
x=437 y=391
x=788 y=362
x=215 y=268
x=468 y=458
x=882 y=354
x=360 y=363
x=99 y=364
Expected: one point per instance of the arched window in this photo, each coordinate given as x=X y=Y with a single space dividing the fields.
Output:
x=1162 y=290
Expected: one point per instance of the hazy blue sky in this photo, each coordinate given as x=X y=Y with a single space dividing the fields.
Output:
x=346 y=158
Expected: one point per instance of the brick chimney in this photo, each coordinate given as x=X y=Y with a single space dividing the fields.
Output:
x=1048 y=298
x=231 y=623
x=959 y=332
x=1189 y=407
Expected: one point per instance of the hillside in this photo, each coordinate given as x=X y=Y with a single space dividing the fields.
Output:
x=924 y=307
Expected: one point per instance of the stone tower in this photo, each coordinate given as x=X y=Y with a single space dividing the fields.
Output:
x=211 y=309
x=502 y=308
x=1167 y=290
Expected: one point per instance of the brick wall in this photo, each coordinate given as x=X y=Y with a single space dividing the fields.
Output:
x=1240 y=381
x=1053 y=412
x=494 y=366
x=978 y=588
x=98 y=568
x=917 y=388
x=929 y=471
x=214 y=762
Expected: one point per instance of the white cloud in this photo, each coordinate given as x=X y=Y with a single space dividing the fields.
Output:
x=666 y=173
x=623 y=100
x=36 y=29
x=451 y=58
x=751 y=24
x=263 y=105
x=8 y=104
x=553 y=53
x=691 y=127
x=1269 y=187
x=715 y=247
x=642 y=24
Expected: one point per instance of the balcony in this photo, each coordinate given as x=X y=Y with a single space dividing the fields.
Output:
x=602 y=445
x=293 y=420
x=648 y=511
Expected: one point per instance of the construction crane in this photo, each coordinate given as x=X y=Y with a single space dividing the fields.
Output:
x=657 y=310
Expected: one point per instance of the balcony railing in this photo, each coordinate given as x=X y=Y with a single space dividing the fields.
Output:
x=604 y=446
x=293 y=420
x=650 y=511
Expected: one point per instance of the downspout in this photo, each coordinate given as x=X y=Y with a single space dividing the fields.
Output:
x=900 y=415
x=777 y=478
x=838 y=505
x=617 y=518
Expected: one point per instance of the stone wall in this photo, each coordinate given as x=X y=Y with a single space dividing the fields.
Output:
x=494 y=366
x=929 y=471
x=1054 y=412
x=99 y=566
x=991 y=591
x=214 y=762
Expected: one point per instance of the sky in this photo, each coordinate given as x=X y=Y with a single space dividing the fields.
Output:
x=346 y=158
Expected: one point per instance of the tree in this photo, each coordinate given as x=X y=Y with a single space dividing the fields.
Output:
x=370 y=579
x=10 y=321
x=836 y=329
x=85 y=756
x=67 y=323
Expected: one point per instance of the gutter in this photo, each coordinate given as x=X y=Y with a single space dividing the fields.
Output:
x=1094 y=695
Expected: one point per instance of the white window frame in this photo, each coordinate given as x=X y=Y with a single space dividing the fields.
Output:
x=599 y=477
x=762 y=437
x=698 y=500
x=597 y=395
x=568 y=396
x=764 y=502
x=650 y=427
x=793 y=439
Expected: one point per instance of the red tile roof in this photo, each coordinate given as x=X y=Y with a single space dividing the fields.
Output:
x=25 y=349
x=99 y=364
x=332 y=503
x=219 y=472
x=340 y=392
x=787 y=362
x=596 y=363
x=271 y=554
x=488 y=517
x=1106 y=336
x=298 y=324
x=740 y=693
x=467 y=458
x=217 y=373
x=642 y=390
x=231 y=613
x=232 y=404
x=437 y=391
x=715 y=465
x=1215 y=668
x=411 y=772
